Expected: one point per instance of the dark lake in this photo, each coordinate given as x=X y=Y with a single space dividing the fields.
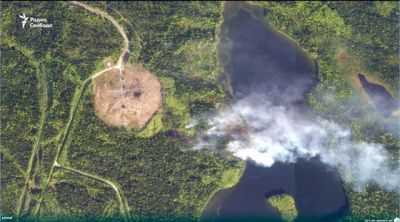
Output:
x=383 y=101
x=259 y=59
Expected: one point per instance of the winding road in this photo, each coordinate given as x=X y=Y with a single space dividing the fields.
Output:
x=118 y=193
x=124 y=208
x=125 y=53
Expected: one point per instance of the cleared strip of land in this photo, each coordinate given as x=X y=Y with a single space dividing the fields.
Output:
x=43 y=102
x=120 y=29
x=118 y=193
x=74 y=107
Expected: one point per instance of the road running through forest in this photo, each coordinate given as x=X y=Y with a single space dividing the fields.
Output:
x=119 y=194
x=125 y=53
x=74 y=106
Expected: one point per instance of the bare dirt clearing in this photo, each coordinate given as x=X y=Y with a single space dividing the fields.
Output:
x=127 y=100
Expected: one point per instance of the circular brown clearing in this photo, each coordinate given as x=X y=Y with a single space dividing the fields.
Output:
x=127 y=99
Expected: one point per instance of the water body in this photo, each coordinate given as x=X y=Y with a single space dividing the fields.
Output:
x=383 y=101
x=259 y=59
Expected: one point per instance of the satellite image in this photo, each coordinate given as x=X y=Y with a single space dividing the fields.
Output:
x=203 y=111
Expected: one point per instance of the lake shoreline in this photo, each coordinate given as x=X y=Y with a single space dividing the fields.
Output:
x=232 y=59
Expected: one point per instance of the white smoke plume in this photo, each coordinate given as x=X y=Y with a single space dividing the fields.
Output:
x=264 y=133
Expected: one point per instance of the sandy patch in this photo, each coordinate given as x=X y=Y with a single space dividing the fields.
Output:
x=128 y=100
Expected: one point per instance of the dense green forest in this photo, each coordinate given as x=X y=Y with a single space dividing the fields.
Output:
x=46 y=83
x=43 y=68
x=48 y=114
x=367 y=34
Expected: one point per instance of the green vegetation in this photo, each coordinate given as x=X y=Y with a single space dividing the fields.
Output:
x=48 y=116
x=47 y=104
x=285 y=205
x=373 y=203
x=161 y=175
x=42 y=68
x=76 y=196
x=346 y=38
x=19 y=101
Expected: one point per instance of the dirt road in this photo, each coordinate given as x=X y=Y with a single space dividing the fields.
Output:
x=74 y=107
x=103 y=180
x=126 y=51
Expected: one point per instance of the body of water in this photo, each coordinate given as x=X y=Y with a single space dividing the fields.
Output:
x=383 y=101
x=259 y=59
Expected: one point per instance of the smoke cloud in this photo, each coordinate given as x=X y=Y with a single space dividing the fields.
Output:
x=257 y=130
